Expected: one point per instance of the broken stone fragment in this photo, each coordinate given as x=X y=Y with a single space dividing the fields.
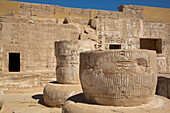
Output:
x=1 y=98
x=118 y=77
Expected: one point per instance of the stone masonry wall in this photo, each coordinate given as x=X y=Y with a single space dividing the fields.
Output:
x=127 y=32
x=34 y=42
x=33 y=29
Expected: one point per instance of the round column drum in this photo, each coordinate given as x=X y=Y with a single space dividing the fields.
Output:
x=118 y=77
x=67 y=54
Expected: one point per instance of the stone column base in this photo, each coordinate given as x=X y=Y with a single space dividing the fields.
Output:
x=77 y=104
x=55 y=94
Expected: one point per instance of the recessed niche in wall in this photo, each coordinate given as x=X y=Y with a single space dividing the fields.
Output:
x=114 y=46
x=14 y=62
x=151 y=44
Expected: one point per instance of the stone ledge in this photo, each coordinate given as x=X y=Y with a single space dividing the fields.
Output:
x=77 y=104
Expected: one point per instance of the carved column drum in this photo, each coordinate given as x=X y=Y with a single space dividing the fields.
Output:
x=67 y=54
x=118 y=77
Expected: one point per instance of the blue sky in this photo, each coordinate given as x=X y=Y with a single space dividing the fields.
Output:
x=101 y=4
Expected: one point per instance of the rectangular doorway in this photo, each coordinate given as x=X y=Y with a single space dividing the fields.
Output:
x=151 y=44
x=14 y=62
x=114 y=46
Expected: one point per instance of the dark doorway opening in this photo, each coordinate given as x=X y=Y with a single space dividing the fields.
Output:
x=151 y=44
x=14 y=62
x=113 y=46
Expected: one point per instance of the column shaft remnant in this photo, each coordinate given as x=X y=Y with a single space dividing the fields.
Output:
x=118 y=77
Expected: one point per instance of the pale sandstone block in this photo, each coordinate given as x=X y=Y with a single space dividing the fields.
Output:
x=55 y=94
x=118 y=77
x=67 y=53
x=78 y=20
x=1 y=98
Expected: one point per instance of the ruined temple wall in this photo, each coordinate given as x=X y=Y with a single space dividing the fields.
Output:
x=54 y=11
x=34 y=41
x=42 y=10
x=127 y=33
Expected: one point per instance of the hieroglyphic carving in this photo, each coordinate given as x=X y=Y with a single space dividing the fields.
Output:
x=154 y=29
x=124 y=74
x=67 y=54
x=161 y=64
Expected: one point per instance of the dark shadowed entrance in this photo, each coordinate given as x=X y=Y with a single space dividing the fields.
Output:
x=14 y=62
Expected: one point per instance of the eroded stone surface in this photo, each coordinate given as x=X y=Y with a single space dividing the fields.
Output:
x=67 y=54
x=77 y=20
x=77 y=104
x=118 y=77
x=1 y=98
x=55 y=94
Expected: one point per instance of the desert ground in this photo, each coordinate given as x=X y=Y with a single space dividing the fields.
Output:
x=29 y=100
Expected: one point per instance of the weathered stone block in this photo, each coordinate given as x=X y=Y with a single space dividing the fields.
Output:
x=1 y=98
x=67 y=53
x=93 y=23
x=56 y=94
x=118 y=77
x=77 y=104
x=78 y=20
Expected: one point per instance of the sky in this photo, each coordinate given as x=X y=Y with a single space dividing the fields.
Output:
x=101 y=4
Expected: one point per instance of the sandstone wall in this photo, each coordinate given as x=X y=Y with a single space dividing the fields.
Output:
x=128 y=32
x=33 y=29
x=34 y=42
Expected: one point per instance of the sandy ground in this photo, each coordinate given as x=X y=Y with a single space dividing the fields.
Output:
x=26 y=101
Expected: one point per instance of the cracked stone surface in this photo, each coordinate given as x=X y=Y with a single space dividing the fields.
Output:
x=67 y=55
x=118 y=77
